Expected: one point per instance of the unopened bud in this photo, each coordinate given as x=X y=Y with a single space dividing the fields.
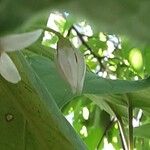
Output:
x=71 y=65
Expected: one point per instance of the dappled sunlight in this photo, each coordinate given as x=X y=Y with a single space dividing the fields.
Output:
x=83 y=131
x=70 y=117
x=85 y=113
x=102 y=37
x=136 y=121
x=115 y=139
x=107 y=146
x=84 y=28
x=55 y=21
x=136 y=59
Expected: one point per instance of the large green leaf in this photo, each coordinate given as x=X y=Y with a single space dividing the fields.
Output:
x=30 y=100
x=108 y=86
x=15 y=130
x=46 y=70
x=34 y=107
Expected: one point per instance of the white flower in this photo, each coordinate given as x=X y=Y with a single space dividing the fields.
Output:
x=71 y=65
x=12 y=43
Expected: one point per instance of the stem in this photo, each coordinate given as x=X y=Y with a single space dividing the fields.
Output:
x=53 y=31
x=50 y=30
x=106 y=129
x=87 y=46
x=130 y=115
x=122 y=134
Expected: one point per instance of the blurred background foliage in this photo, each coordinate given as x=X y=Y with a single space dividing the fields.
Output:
x=113 y=36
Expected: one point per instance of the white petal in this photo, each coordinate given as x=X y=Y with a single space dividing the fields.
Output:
x=18 y=41
x=67 y=64
x=8 y=69
x=71 y=65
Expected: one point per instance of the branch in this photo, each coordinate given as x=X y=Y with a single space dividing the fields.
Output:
x=87 y=46
x=53 y=31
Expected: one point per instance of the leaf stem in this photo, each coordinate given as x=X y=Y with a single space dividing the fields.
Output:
x=122 y=133
x=53 y=31
x=123 y=136
x=130 y=115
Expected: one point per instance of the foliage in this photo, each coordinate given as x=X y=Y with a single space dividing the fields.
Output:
x=115 y=94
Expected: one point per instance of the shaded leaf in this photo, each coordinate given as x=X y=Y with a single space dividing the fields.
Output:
x=142 y=131
x=36 y=104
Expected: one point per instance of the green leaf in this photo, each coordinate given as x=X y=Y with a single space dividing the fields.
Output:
x=98 y=130
x=101 y=103
x=142 y=131
x=140 y=98
x=97 y=85
x=38 y=108
x=15 y=130
x=46 y=70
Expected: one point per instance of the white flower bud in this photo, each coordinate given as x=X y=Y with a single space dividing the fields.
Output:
x=71 y=65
